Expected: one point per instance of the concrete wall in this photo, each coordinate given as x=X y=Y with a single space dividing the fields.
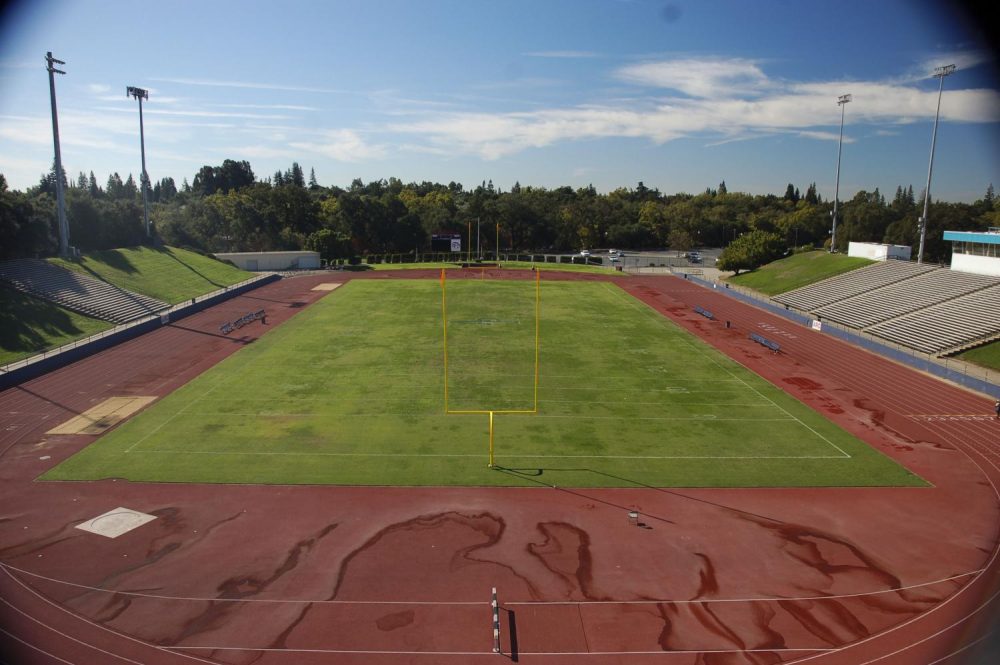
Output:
x=264 y=261
x=980 y=265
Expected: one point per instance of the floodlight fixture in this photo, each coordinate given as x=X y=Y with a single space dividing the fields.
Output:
x=939 y=73
x=842 y=103
x=141 y=94
x=60 y=197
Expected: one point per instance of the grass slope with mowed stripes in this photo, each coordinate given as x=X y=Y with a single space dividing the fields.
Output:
x=351 y=391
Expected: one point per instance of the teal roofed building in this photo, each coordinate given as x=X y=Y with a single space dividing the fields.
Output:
x=976 y=252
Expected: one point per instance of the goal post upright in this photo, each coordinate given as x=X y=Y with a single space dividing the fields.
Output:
x=538 y=299
x=490 y=412
x=444 y=322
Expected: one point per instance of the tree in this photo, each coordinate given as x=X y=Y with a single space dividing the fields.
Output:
x=295 y=176
x=92 y=188
x=750 y=251
x=313 y=184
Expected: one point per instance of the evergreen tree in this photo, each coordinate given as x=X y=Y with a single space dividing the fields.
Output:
x=115 y=186
x=296 y=176
x=722 y=188
x=313 y=184
x=92 y=187
x=811 y=194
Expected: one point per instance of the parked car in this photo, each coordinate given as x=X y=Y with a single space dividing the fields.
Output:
x=694 y=257
x=584 y=252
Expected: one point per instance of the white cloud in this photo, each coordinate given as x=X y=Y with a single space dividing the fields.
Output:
x=343 y=145
x=706 y=78
x=720 y=99
x=215 y=83
x=98 y=88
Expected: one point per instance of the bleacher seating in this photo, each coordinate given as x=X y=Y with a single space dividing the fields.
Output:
x=899 y=298
x=926 y=308
x=848 y=284
x=947 y=326
x=77 y=291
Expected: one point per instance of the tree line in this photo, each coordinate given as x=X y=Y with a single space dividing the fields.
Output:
x=228 y=208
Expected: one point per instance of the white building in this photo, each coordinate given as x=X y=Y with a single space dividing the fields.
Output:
x=975 y=251
x=879 y=252
x=272 y=261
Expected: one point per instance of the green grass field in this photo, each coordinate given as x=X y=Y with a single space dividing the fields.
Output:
x=351 y=391
x=167 y=273
x=797 y=270
x=987 y=355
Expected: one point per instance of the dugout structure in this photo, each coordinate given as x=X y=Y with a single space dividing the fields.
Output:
x=491 y=412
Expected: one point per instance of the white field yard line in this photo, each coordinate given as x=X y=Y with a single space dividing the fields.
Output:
x=377 y=414
x=635 y=303
x=507 y=456
x=221 y=381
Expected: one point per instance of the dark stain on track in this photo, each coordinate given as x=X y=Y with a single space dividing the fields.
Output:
x=395 y=620
x=565 y=551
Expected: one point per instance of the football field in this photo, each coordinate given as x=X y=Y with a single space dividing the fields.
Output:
x=352 y=391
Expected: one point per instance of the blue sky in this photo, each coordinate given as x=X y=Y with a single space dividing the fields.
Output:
x=680 y=95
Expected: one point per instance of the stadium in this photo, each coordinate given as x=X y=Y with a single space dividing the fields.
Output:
x=299 y=489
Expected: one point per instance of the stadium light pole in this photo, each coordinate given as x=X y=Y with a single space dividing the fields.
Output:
x=939 y=72
x=842 y=102
x=141 y=94
x=60 y=198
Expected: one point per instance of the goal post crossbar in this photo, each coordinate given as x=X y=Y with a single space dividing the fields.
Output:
x=490 y=412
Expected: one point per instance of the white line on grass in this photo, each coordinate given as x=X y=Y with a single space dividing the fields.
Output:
x=223 y=380
x=381 y=414
x=714 y=361
x=479 y=455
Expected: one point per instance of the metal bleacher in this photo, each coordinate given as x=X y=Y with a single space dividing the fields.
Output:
x=900 y=298
x=76 y=291
x=849 y=284
x=926 y=308
x=948 y=326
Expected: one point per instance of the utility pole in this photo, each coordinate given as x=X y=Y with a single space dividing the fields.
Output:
x=939 y=72
x=142 y=94
x=842 y=103
x=60 y=198
x=479 y=246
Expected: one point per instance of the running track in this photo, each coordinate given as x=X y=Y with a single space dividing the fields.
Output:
x=281 y=575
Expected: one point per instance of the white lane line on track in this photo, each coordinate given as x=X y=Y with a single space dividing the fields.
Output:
x=491 y=652
x=662 y=601
x=88 y=622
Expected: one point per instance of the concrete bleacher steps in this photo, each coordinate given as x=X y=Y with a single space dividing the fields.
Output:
x=849 y=284
x=900 y=298
x=948 y=326
x=929 y=309
x=78 y=292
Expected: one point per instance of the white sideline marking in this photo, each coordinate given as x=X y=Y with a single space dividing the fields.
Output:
x=701 y=351
x=479 y=455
